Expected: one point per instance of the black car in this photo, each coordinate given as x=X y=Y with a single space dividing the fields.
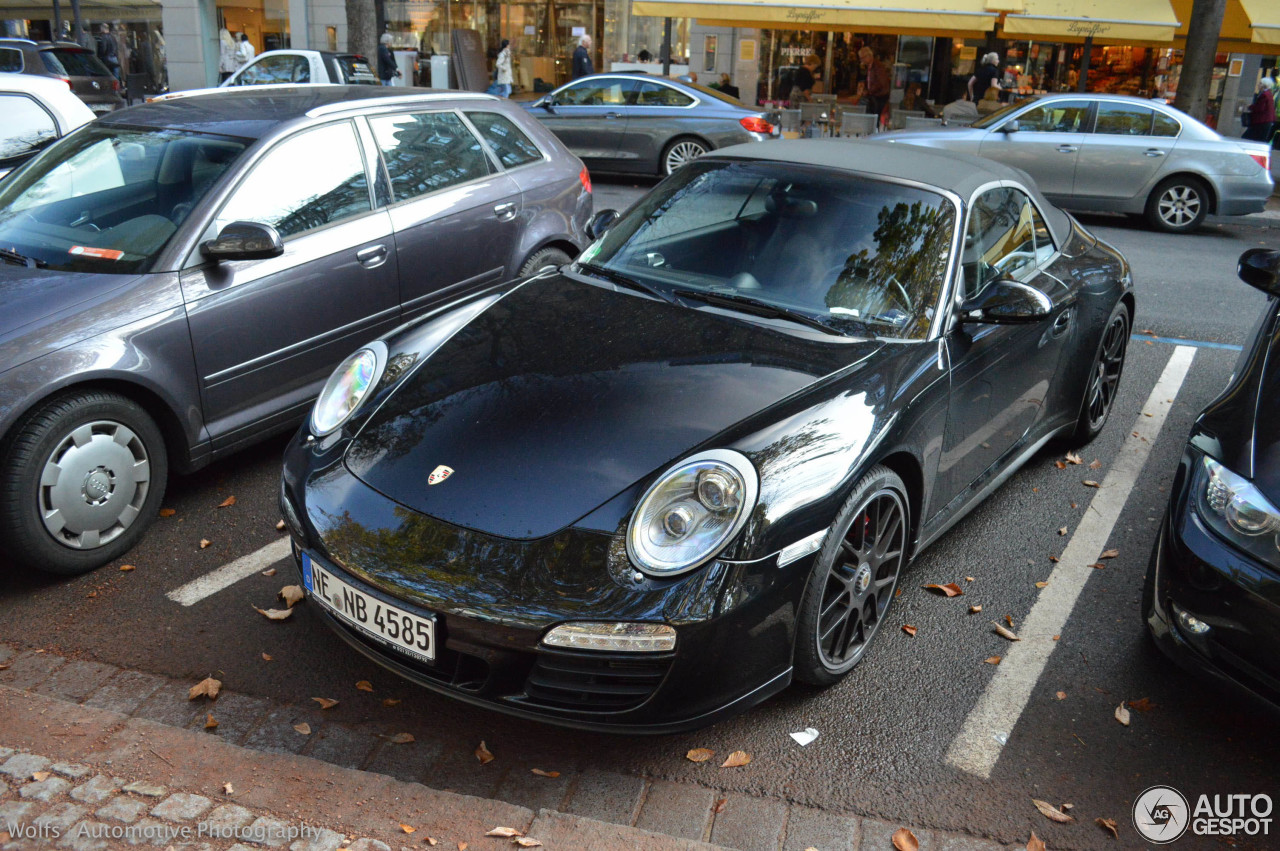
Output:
x=1212 y=596
x=658 y=485
x=77 y=66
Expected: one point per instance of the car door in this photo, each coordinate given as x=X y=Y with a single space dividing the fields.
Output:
x=1124 y=152
x=659 y=114
x=266 y=333
x=590 y=117
x=1000 y=374
x=1046 y=144
x=456 y=214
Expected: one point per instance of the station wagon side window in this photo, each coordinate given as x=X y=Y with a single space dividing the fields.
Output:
x=656 y=94
x=1123 y=119
x=1000 y=241
x=508 y=141
x=1059 y=116
x=309 y=180
x=10 y=60
x=597 y=92
x=427 y=151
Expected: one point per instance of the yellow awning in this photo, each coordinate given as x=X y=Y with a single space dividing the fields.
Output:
x=1264 y=20
x=1107 y=21
x=943 y=17
x=1248 y=26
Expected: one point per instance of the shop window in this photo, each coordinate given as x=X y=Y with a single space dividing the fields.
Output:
x=1060 y=116
x=1165 y=126
x=10 y=60
x=428 y=151
x=512 y=146
x=597 y=93
x=656 y=94
x=1122 y=119
x=29 y=126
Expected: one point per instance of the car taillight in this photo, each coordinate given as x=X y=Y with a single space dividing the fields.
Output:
x=67 y=80
x=756 y=124
x=115 y=85
x=1263 y=160
x=585 y=177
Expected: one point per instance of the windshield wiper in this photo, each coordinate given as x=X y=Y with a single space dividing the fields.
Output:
x=760 y=308
x=624 y=280
x=21 y=259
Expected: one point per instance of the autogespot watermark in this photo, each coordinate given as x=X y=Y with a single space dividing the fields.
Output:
x=1162 y=814
x=161 y=834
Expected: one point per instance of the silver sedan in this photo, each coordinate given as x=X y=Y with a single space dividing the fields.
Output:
x=1111 y=153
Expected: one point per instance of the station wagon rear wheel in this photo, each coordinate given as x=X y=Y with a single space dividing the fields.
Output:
x=82 y=479
x=1178 y=205
x=680 y=153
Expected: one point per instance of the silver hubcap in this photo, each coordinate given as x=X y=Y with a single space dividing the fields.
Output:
x=1179 y=206
x=94 y=484
x=682 y=154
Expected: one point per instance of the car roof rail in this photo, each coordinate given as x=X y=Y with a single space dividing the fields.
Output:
x=17 y=38
x=366 y=103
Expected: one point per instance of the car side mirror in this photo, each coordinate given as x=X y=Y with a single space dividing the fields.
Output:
x=548 y=103
x=1010 y=126
x=1260 y=268
x=244 y=241
x=600 y=223
x=1006 y=302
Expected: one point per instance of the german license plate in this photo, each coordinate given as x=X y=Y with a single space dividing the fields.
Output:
x=390 y=626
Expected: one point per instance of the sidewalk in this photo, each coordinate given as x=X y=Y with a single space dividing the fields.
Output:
x=82 y=767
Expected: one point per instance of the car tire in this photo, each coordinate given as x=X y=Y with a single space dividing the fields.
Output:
x=850 y=589
x=545 y=258
x=1103 y=381
x=109 y=457
x=1178 y=205
x=680 y=152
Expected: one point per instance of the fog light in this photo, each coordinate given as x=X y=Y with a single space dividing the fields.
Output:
x=624 y=637
x=1189 y=622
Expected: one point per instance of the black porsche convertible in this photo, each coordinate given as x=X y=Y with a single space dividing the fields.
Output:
x=655 y=486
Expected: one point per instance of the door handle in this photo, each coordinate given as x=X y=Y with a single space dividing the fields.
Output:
x=1154 y=152
x=1067 y=149
x=1062 y=323
x=505 y=212
x=372 y=257
x=613 y=115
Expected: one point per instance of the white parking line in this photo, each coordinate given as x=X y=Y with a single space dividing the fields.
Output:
x=211 y=583
x=996 y=713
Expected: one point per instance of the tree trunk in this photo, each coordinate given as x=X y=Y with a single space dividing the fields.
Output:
x=361 y=35
x=1197 y=59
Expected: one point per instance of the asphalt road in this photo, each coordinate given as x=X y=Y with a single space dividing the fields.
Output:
x=885 y=731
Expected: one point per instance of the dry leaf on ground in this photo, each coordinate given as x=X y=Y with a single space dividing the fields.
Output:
x=482 y=754
x=304 y=728
x=210 y=722
x=1095 y=464
x=992 y=660
x=1142 y=705
x=228 y=789
x=973 y=610
x=1004 y=632
x=1106 y=554
x=167 y=512
x=399 y=738
x=1109 y=825
x=527 y=842
x=718 y=806
x=325 y=702
x=208 y=687
x=1090 y=483
x=737 y=759
x=541 y=773
x=228 y=502
x=1062 y=695
x=1073 y=458
x=909 y=630
x=462 y=846
x=267 y=657
x=125 y=568
x=504 y=832
x=429 y=840
x=699 y=754
x=1009 y=620
x=407 y=829
x=279 y=525
x=390 y=701
x=1042 y=584
x=950 y=589
x=205 y=543
x=1062 y=530
x=1061 y=465
x=1035 y=843
x=1051 y=812
x=274 y=614
x=1098 y=566
x=1122 y=714
x=269 y=572
x=364 y=685
x=968 y=579
x=291 y=594
x=41 y=776
x=905 y=840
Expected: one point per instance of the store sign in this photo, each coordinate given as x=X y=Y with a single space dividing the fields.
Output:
x=1088 y=29
x=805 y=16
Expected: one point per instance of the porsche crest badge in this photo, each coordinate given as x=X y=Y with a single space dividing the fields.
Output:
x=439 y=474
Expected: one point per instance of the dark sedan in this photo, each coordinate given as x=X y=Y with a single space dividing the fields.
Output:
x=653 y=488
x=635 y=123
x=1212 y=598
x=178 y=279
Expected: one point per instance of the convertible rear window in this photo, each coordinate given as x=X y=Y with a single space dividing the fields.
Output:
x=858 y=255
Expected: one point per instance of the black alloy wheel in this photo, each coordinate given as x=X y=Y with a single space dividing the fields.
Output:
x=1104 y=376
x=853 y=580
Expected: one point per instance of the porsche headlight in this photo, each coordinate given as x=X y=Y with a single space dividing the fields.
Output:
x=1238 y=511
x=691 y=512
x=347 y=388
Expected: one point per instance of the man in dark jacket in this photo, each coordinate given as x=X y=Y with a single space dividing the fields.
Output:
x=107 y=50
x=582 y=58
x=387 y=70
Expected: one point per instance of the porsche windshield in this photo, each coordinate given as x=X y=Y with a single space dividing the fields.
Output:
x=109 y=199
x=858 y=255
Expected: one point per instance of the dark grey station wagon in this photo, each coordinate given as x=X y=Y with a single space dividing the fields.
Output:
x=178 y=279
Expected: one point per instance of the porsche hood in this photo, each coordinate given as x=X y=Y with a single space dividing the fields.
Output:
x=566 y=392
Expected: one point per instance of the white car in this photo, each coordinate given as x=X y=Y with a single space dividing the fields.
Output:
x=37 y=112
x=304 y=66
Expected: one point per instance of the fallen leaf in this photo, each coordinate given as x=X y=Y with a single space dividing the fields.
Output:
x=1095 y=464
x=390 y=701
x=718 y=806
x=4 y=666
x=1097 y=565
x=1042 y=584
x=228 y=789
x=1106 y=554
x=274 y=614
x=125 y=568
x=1061 y=465
x=968 y=579
x=1065 y=807
x=210 y=723
x=1062 y=695
x=205 y=543
x=1148 y=332
x=407 y=829
x=482 y=754
x=1009 y=620
x=1142 y=705
x=41 y=776
x=909 y=630
x=228 y=502
x=737 y=759
x=271 y=572
x=267 y=657
x=1109 y=825
x=528 y=842
x=462 y=846
x=950 y=589
x=1053 y=559
x=364 y=685
x=1056 y=637
x=505 y=832
x=1062 y=530
x=1073 y=458
x=1090 y=483
x=92 y=594
x=304 y=728
x=973 y=610
x=1052 y=813
x=399 y=738
x=1122 y=714
x=167 y=512
x=1073 y=505
x=325 y=702
x=1006 y=633
x=279 y=525
x=992 y=660
x=208 y=687
x=541 y=773
x=905 y=840
x=1035 y=843
x=291 y=594
x=699 y=754
x=429 y=840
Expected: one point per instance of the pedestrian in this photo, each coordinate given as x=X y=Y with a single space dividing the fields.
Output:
x=727 y=86
x=107 y=51
x=503 y=77
x=582 y=58
x=877 y=77
x=644 y=55
x=987 y=75
x=387 y=70
x=802 y=81
x=226 y=55
x=1260 y=116
x=244 y=52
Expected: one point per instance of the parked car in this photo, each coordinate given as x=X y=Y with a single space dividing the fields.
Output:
x=1212 y=593
x=37 y=113
x=180 y=278
x=77 y=67
x=1112 y=153
x=636 y=123
x=656 y=486
x=318 y=67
